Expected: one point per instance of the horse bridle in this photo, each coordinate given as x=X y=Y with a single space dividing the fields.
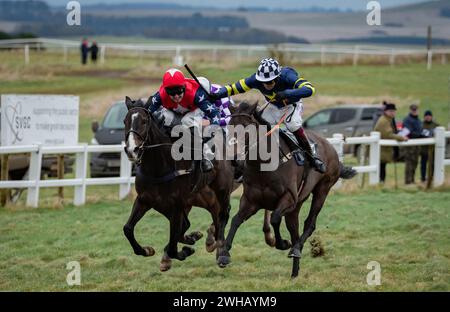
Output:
x=142 y=147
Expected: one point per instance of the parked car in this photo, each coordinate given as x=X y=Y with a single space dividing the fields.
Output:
x=350 y=120
x=109 y=131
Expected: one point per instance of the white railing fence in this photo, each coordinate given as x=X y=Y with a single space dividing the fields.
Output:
x=81 y=181
x=179 y=52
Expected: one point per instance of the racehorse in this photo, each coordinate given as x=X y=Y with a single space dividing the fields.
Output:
x=166 y=185
x=284 y=190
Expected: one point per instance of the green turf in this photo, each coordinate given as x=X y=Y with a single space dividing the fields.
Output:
x=406 y=232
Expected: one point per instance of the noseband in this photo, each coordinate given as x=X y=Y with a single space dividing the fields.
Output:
x=143 y=147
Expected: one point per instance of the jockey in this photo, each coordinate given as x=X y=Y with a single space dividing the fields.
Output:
x=184 y=101
x=222 y=104
x=284 y=91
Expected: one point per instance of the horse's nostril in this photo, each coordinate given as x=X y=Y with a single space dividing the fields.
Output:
x=135 y=150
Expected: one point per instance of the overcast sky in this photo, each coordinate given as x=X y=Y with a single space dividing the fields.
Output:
x=285 y=4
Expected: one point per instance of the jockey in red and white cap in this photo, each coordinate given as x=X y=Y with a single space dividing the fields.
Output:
x=184 y=101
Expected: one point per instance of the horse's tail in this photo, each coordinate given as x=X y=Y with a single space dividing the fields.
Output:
x=346 y=172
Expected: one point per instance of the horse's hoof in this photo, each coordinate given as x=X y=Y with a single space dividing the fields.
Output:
x=223 y=261
x=270 y=241
x=294 y=253
x=210 y=247
x=283 y=245
x=187 y=251
x=197 y=235
x=149 y=251
x=165 y=265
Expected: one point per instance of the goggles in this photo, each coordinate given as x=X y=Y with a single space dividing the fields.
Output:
x=175 y=91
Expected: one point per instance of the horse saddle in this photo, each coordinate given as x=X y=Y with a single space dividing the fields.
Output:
x=296 y=150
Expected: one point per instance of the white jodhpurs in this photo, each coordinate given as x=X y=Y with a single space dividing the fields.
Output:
x=293 y=120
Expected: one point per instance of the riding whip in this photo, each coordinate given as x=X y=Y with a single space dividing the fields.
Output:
x=196 y=79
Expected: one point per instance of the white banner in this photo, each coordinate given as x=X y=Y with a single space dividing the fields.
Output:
x=45 y=119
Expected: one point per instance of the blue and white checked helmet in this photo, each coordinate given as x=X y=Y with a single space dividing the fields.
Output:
x=268 y=70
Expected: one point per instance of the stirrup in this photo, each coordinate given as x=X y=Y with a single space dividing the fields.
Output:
x=319 y=165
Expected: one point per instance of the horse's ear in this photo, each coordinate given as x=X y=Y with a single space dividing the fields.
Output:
x=233 y=109
x=149 y=102
x=129 y=102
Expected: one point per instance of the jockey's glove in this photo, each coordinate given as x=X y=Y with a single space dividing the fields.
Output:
x=215 y=96
x=282 y=97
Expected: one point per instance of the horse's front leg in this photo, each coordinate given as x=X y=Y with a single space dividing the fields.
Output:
x=171 y=250
x=246 y=210
x=138 y=211
x=285 y=204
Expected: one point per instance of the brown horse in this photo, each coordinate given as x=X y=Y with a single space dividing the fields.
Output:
x=166 y=185
x=284 y=190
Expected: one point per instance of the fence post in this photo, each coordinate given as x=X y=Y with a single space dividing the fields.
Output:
x=439 y=156
x=392 y=58
x=125 y=172
x=79 y=197
x=4 y=193
x=374 y=158
x=35 y=176
x=102 y=54
x=178 y=58
x=429 y=59
x=339 y=147
x=27 y=54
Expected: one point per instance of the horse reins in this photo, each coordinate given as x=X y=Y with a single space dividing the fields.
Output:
x=142 y=148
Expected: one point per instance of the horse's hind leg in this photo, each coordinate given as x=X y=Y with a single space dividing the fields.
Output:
x=138 y=211
x=191 y=238
x=291 y=220
x=171 y=250
x=268 y=237
x=320 y=194
x=210 y=242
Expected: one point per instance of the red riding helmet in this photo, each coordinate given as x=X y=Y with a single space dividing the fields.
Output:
x=173 y=77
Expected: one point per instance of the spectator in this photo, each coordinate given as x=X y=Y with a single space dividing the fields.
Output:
x=414 y=125
x=428 y=131
x=94 y=52
x=388 y=131
x=84 y=51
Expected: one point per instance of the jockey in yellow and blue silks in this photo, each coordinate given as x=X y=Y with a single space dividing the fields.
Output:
x=284 y=90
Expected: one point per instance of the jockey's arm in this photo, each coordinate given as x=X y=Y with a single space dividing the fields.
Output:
x=238 y=87
x=302 y=88
x=209 y=109
x=156 y=103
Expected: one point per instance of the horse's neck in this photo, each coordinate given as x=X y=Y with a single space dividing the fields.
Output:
x=158 y=161
x=255 y=164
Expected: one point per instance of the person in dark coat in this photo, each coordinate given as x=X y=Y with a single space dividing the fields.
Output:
x=94 y=52
x=427 y=150
x=84 y=51
x=389 y=132
x=414 y=125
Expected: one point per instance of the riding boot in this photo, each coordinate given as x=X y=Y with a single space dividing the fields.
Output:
x=205 y=164
x=318 y=164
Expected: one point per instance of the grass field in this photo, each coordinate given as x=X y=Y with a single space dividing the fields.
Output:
x=405 y=230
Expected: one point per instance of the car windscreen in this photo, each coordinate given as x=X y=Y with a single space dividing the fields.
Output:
x=321 y=118
x=115 y=116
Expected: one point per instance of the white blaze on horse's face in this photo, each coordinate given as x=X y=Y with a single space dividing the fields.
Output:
x=131 y=142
